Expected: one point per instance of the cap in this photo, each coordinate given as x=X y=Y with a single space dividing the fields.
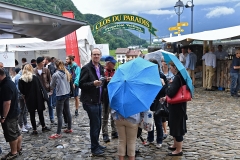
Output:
x=17 y=70
x=40 y=59
x=110 y=59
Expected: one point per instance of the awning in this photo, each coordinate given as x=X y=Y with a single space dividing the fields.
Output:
x=211 y=35
x=84 y=36
x=17 y=22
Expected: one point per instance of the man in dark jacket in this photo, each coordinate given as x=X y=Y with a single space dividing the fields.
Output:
x=52 y=68
x=9 y=112
x=109 y=72
x=91 y=92
x=45 y=78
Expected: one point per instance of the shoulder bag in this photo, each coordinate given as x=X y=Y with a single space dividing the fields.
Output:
x=161 y=110
x=183 y=95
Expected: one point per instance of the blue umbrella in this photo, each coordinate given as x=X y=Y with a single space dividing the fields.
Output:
x=134 y=86
x=168 y=56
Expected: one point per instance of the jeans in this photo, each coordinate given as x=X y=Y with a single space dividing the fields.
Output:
x=158 y=124
x=54 y=99
x=94 y=115
x=60 y=105
x=235 y=83
x=50 y=108
x=22 y=120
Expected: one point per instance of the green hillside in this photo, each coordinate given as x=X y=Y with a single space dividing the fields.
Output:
x=115 y=39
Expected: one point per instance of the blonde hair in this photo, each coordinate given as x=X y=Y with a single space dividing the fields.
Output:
x=61 y=66
x=27 y=73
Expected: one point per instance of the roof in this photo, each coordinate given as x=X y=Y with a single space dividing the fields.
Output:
x=134 y=53
x=122 y=51
x=218 y=34
x=84 y=36
x=17 y=22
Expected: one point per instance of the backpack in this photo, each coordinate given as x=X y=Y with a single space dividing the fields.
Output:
x=72 y=72
x=52 y=68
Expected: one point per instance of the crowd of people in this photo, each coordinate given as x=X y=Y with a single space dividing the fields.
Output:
x=53 y=82
x=43 y=80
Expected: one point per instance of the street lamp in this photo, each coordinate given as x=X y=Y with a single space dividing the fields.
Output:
x=190 y=5
x=179 y=7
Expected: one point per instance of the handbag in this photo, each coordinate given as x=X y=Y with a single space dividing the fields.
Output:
x=183 y=95
x=43 y=91
x=162 y=110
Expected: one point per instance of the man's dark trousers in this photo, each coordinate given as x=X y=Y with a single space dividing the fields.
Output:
x=94 y=115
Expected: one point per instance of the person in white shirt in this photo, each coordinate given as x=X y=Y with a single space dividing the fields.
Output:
x=183 y=55
x=210 y=62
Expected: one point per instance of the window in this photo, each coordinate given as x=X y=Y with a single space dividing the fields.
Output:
x=123 y=56
x=119 y=56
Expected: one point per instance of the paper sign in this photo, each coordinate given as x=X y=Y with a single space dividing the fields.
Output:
x=8 y=59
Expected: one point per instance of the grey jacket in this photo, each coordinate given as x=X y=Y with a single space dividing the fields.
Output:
x=60 y=83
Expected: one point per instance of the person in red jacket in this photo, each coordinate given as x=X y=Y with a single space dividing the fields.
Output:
x=108 y=73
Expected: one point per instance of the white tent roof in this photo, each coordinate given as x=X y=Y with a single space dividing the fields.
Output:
x=218 y=34
x=84 y=35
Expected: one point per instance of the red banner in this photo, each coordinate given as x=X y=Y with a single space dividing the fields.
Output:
x=71 y=40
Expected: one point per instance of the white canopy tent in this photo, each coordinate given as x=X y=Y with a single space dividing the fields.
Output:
x=218 y=34
x=84 y=37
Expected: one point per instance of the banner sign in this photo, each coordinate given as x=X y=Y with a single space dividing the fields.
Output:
x=123 y=26
x=71 y=40
x=124 y=18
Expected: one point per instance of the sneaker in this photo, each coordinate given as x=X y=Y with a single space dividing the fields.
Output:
x=165 y=136
x=76 y=112
x=68 y=130
x=55 y=136
x=64 y=126
x=28 y=126
x=148 y=143
x=106 y=138
x=23 y=129
x=20 y=152
x=158 y=145
x=34 y=133
x=98 y=152
x=46 y=129
x=9 y=156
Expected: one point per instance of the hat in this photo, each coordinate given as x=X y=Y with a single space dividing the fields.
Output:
x=110 y=59
x=40 y=59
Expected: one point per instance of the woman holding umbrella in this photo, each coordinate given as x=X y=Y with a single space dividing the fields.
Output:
x=177 y=113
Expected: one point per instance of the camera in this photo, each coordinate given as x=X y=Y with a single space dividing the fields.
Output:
x=102 y=78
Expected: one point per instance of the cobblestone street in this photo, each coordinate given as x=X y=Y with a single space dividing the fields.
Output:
x=213 y=133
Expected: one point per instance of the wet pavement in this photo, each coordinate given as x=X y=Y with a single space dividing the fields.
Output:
x=213 y=133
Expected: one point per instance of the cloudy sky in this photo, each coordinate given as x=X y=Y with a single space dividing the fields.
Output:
x=208 y=14
x=106 y=8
